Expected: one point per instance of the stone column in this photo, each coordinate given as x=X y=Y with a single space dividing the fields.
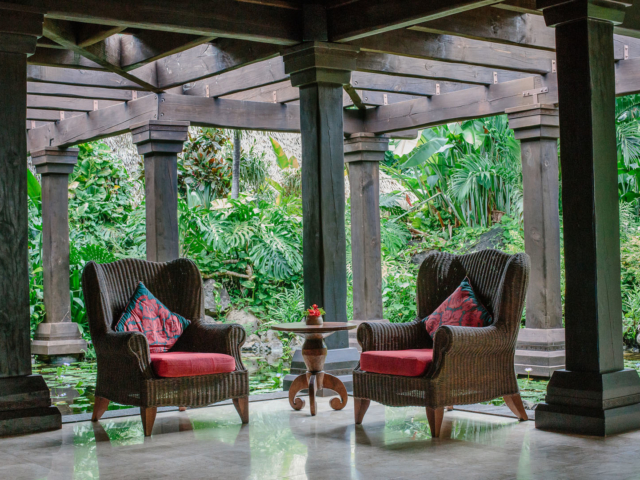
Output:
x=595 y=395
x=25 y=404
x=541 y=344
x=320 y=70
x=57 y=339
x=363 y=152
x=160 y=142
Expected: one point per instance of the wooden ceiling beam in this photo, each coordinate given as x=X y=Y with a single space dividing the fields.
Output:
x=105 y=53
x=64 y=104
x=433 y=69
x=495 y=25
x=406 y=85
x=519 y=6
x=466 y=104
x=462 y=50
x=84 y=78
x=376 y=99
x=88 y=34
x=213 y=18
x=146 y=46
x=50 y=57
x=356 y=20
x=281 y=92
x=94 y=125
x=37 y=115
x=260 y=74
x=91 y=93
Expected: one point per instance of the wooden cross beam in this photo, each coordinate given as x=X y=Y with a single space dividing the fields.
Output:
x=214 y=18
x=67 y=104
x=91 y=93
x=353 y=20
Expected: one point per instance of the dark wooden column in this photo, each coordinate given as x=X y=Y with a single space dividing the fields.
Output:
x=160 y=143
x=57 y=338
x=363 y=152
x=595 y=394
x=320 y=70
x=541 y=344
x=25 y=404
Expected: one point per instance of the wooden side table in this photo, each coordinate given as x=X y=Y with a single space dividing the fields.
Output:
x=314 y=353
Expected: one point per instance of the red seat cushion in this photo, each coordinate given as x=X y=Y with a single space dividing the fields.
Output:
x=407 y=363
x=462 y=308
x=186 y=364
x=146 y=314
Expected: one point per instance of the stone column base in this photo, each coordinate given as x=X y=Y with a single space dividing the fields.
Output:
x=353 y=334
x=589 y=403
x=58 y=339
x=541 y=350
x=25 y=406
x=340 y=362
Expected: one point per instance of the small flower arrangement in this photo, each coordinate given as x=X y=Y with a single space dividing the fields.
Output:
x=314 y=315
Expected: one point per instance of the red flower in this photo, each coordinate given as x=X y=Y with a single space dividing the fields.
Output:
x=314 y=311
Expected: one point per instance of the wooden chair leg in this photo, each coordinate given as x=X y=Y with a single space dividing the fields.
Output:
x=360 y=407
x=514 y=402
x=148 y=415
x=182 y=409
x=434 y=417
x=242 y=407
x=100 y=406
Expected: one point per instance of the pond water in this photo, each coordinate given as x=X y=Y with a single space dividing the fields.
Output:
x=73 y=386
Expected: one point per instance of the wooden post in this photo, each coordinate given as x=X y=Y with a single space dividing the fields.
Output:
x=320 y=70
x=541 y=344
x=595 y=395
x=160 y=142
x=57 y=338
x=363 y=152
x=25 y=403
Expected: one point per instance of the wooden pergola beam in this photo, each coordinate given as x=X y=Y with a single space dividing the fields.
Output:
x=147 y=46
x=512 y=28
x=355 y=20
x=63 y=58
x=91 y=93
x=49 y=115
x=83 y=78
x=105 y=53
x=216 y=18
x=214 y=59
x=67 y=104
x=450 y=48
x=94 y=125
x=281 y=92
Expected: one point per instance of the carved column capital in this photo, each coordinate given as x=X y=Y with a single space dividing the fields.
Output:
x=320 y=62
x=557 y=12
x=365 y=147
x=158 y=137
x=534 y=122
x=19 y=31
x=55 y=161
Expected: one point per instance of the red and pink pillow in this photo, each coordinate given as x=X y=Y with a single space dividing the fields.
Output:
x=462 y=308
x=146 y=314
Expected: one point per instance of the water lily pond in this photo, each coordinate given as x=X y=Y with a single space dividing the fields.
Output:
x=73 y=385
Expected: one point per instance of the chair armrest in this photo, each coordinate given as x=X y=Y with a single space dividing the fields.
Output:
x=206 y=337
x=393 y=336
x=454 y=344
x=131 y=348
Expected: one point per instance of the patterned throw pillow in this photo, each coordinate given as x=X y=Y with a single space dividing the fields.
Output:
x=462 y=308
x=146 y=314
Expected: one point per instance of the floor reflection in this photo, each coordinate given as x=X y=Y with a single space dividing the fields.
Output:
x=282 y=443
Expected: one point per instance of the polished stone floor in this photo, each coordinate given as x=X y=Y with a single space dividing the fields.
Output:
x=392 y=443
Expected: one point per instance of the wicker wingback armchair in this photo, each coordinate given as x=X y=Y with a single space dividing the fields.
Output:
x=124 y=365
x=469 y=364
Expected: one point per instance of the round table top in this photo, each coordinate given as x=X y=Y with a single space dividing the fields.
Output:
x=301 y=327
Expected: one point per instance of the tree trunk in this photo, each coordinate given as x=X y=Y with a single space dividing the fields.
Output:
x=235 y=179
